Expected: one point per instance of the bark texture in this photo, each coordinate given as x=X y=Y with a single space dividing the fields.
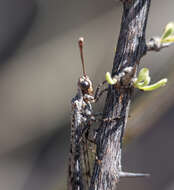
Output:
x=130 y=48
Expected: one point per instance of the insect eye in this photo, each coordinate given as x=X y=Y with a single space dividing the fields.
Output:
x=84 y=85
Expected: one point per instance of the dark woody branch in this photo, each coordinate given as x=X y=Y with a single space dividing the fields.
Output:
x=130 y=48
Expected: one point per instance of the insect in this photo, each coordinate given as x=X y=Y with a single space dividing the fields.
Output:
x=81 y=118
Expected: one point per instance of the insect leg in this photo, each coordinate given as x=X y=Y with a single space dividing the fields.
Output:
x=96 y=117
x=99 y=92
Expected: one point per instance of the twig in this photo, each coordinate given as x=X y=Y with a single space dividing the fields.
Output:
x=155 y=44
x=130 y=48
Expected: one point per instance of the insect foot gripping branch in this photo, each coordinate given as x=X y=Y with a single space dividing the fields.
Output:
x=79 y=173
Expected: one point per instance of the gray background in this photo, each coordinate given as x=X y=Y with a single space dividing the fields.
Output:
x=40 y=65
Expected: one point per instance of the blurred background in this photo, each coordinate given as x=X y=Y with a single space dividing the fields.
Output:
x=40 y=66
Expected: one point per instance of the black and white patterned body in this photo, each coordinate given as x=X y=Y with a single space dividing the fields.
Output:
x=82 y=150
x=80 y=122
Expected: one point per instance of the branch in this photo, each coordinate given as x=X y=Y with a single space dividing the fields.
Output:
x=130 y=48
x=155 y=44
x=167 y=39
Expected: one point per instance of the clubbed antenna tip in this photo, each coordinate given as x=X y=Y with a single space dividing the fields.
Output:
x=81 y=40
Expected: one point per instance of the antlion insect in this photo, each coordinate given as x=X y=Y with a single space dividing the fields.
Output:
x=81 y=118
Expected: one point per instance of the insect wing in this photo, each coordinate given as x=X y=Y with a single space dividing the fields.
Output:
x=88 y=149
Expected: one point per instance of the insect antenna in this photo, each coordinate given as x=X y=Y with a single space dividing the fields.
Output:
x=81 y=40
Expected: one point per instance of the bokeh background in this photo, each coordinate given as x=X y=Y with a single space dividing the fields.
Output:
x=39 y=68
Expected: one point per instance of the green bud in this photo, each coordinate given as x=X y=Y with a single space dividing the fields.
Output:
x=143 y=74
x=142 y=82
x=144 y=79
x=168 y=31
x=154 y=86
x=168 y=40
x=109 y=79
